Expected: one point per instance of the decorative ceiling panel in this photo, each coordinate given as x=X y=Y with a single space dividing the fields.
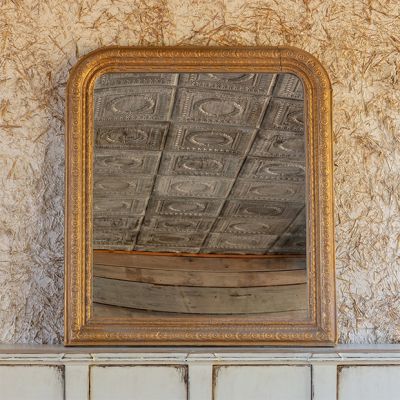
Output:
x=289 y=86
x=117 y=222
x=284 y=115
x=199 y=163
x=278 y=144
x=251 y=226
x=136 y=136
x=261 y=209
x=289 y=244
x=186 y=186
x=178 y=206
x=213 y=106
x=210 y=138
x=230 y=241
x=131 y=103
x=174 y=239
x=125 y=162
x=181 y=224
x=133 y=79
x=122 y=239
x=125 y=185
x=270 y=168
x=268 y=190
x=113 y=206
x=247 y=83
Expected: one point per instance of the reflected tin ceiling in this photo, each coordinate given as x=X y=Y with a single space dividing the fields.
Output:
x=199 y=163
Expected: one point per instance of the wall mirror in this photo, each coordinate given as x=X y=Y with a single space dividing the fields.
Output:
x=199 y=198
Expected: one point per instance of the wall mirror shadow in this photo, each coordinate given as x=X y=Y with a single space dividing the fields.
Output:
x=199 y=196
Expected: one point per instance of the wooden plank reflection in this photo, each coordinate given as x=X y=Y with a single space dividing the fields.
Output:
x=136 y=283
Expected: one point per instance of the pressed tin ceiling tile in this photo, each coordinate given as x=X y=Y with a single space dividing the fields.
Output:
x=279 y=144
x=130 y=136
x=289 y=244
x=261 y=209
x=289 y=86
x=133 y=104
x=268 y=190
x=174 y=239
x=184 y=207
x=116 y=79
x=167 y=248
x=180 y=224
x=186 y=186
x=298 y=225
x=118 y=239
x=210 y=138
x=234 y=241
x=125 y=162
x=122 y=185
x=105 y=206
x=113 y=235
x=243 y=82
x=273 y=169
x=173 y=163
x=207 y=162
x=117 y=222
x=285 y=115
x=207 y=106
x=252 y=226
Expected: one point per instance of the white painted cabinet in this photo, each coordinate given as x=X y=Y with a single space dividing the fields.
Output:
x=24 y=382
x=379 y=382
x=341 y=373
x=262 y=383
x=138 y=382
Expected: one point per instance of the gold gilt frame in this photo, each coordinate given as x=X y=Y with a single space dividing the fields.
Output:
x=83 y=329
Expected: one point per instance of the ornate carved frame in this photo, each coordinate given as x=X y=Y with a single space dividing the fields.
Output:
x=83 y=329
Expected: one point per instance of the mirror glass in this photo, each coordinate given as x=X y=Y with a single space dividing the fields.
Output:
x=199 y=195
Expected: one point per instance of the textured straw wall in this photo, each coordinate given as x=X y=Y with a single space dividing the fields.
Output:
x=357 y=40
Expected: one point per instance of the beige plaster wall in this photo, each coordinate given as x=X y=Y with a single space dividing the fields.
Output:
x=358 y=42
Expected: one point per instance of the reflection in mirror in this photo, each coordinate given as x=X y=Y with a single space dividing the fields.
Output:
x=199 y=202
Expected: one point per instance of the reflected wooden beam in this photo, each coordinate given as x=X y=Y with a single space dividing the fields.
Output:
x=201 y=278
x=108 y=311
x=199 y=300
x=199 y=284
x=195 y=262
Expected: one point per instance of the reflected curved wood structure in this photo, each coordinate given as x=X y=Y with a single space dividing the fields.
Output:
x=193 y=284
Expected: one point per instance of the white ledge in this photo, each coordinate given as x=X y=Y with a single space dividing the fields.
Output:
x=341 y=354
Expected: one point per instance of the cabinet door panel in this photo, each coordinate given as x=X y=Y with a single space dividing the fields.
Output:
x=369 y=382
x=40 y=382
x=262 y=383
x=138 y=382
